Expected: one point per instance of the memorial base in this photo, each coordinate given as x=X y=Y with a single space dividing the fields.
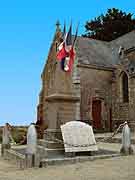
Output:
x=70 y=154
x=127 y=151
x=52 y=134
x=32 y=160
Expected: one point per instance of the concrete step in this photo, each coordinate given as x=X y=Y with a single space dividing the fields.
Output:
x=70 y=160
x=108 y=140
x=52 y=133
x=15 y=157
x=113 y=140
x=50 y=144
x=47 y=152
x=41 y=151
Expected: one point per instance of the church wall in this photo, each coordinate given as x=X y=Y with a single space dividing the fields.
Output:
x=120 y=110
x=132 y=102
x=96 y=83
x=124 y=111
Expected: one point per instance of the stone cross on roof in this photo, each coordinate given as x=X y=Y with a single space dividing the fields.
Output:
x=57 y=25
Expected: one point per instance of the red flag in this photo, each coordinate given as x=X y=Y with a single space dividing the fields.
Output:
x=69 y=60
x=66 y=51
x=62 y=52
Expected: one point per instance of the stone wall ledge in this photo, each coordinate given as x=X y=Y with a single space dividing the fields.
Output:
x=96 y=66
x=62 y=97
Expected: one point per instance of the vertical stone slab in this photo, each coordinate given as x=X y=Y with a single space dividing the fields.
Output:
x=126 y=148
x=6 y=136
x=31 y=149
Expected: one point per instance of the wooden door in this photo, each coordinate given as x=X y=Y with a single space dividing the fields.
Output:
x=96 y=114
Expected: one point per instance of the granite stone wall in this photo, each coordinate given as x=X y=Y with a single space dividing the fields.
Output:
x=124 y=111
x=96 y=85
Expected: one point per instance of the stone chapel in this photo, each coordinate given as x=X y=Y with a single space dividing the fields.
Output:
x=100 y=90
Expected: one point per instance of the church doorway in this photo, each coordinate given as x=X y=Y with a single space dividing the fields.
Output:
x=96 y=114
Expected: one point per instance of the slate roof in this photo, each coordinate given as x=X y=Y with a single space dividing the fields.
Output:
x=101 y=53
x=127 y=40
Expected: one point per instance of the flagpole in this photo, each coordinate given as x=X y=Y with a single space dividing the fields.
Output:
x=76 y=34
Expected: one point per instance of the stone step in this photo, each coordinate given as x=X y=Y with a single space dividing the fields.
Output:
x=113 y=140
x=108 y=140
x=41 y=151
x=47 y=152
x=50 y=144
x=50 y=134
x=70 y=160
x=15 y=157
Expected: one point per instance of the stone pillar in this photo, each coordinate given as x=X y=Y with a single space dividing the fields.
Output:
x=126 y=148
x=6 y=137
x=115 y=104
x=31 y=154
x=77 y=113
x=132 y=104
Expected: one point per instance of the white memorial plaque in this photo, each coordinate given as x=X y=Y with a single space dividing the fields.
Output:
x=78 y=136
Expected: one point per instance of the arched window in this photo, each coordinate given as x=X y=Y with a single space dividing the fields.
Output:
x=125 y=87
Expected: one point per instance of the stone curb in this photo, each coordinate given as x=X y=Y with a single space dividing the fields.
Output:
x=72 y=160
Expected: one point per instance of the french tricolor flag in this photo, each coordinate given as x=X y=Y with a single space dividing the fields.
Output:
x=66 y=51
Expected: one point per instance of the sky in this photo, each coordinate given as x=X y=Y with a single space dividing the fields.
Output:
x=26 y=30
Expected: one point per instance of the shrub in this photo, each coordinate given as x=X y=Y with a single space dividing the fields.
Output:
x=17 y=133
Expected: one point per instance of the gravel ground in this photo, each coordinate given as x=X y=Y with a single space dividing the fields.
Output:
x=120 y=168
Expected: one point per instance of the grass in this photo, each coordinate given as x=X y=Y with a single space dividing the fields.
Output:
x=17 y=133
